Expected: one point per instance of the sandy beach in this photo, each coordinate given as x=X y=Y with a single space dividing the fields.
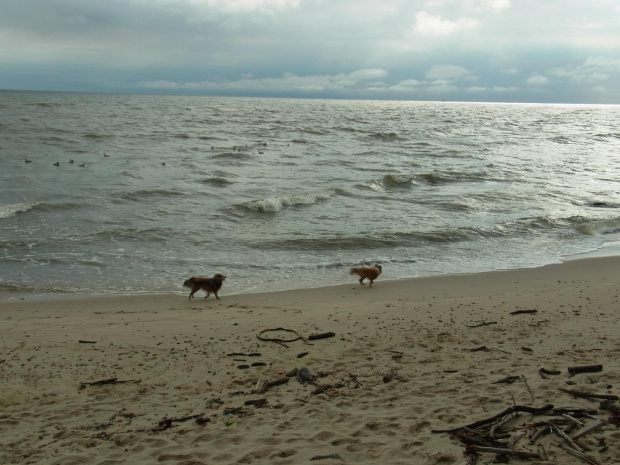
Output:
x=160 y=379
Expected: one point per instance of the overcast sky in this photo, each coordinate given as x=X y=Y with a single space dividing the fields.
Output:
x=470 y=50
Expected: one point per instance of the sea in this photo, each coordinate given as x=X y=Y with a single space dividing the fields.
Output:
x=108 y=194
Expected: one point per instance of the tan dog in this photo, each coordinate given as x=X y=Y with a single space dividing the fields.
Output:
x=208 y=285
x=364 y=272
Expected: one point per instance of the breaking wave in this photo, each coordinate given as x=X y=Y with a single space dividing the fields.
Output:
x=275 y=204
x=6 y=211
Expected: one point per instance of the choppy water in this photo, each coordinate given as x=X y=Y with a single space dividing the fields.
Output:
x=281 y=194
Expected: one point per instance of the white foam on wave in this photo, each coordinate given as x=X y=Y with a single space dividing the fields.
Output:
x=6 y=211
x=275 y=204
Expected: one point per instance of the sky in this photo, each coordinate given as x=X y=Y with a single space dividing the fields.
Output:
x=547 y=51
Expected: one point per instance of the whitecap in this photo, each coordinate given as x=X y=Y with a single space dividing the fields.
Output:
x=6 y=211
x=275 y=204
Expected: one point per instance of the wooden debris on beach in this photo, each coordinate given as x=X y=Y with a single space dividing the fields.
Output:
x=519 y=312
x=324 y=457
x=313 y=337
x=263 y=386
x=108 y=381
x=543 y=371
x=572 y=371
x=257 y=402
x=279 y=340
x=166 y=423
x=587 y=395
x=480 y=349
x=494 y=435
x=485 y=323
x=507 y=380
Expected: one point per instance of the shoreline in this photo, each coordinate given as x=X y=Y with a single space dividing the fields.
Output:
x=407 y=358
x=608 y=251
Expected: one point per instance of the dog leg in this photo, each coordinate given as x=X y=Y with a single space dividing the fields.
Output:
x=208 y=294
x=215 y=292
x=370 y=283
x=362 y=281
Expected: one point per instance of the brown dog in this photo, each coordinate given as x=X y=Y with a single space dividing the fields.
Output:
x=364 y=272
x=208 y=285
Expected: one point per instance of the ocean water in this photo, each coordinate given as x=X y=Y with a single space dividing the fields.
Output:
x=282 y=193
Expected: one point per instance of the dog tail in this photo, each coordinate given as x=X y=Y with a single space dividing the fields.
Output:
x=353 y=271
x=188 y=282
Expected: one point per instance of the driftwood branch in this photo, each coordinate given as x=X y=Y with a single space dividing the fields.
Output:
x=507 y=419
x=573 y=444
x=588 y=429
x=108 y=381
x=324 y=457
x=313 y=337
x=515 y=408
x=584 y=369
x=587 y=395
x=581 y=455
x=482 y=324
x=257 y=402
x=271 y=383
x=507 y=380
x=528 y=389
x=511 y=452
x=519 y=312
x=541 y=432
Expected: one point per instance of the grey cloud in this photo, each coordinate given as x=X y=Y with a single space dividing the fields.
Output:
x=456 y=49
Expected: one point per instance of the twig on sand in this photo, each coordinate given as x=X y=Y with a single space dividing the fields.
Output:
x=108 y=381
x=482 y=324
x=519 y=312
x=587 y=395
x=313 y=337
x=507 y=380
x=529 y=390
x=278 y=339
x=515 y=408
x=511 y=452
x=324 y=457
x=543 y=371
